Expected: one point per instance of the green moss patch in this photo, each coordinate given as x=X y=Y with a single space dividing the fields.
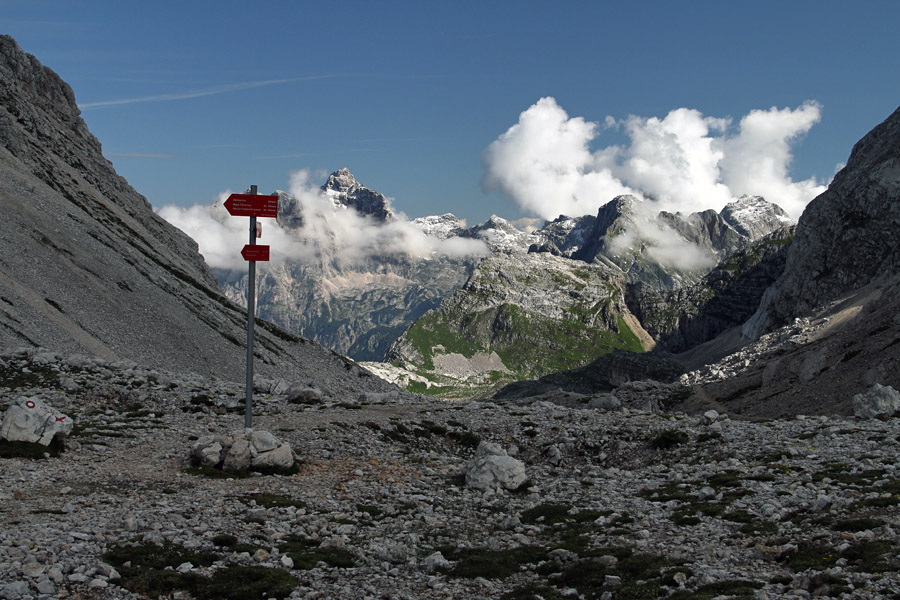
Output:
x=494 y=564
x=639 y=574
x=546 y=513
x=732 y=588
x=238 y=582
x=668 y=439
x=146 y=569
x=307 y=553
x=34 y=377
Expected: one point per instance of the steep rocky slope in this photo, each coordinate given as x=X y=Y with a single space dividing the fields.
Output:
x=846 y=237
x=86 y=265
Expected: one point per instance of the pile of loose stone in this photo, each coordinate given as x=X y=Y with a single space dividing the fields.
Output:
x=398 y=496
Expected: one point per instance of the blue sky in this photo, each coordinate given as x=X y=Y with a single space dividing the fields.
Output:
x=191 y=98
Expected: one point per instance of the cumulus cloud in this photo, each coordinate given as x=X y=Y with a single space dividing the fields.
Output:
x=330 y=234
x=683 y=162
x=543 y=163
x=757 y=160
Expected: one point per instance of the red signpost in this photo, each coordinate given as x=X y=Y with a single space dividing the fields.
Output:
x=255 y=252
x=249 y=205
x=253 y=206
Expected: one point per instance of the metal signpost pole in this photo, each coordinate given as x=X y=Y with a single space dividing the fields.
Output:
x=251 y=302
x=252 y=205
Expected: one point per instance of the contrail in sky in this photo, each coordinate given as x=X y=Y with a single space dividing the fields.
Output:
x=222 y=89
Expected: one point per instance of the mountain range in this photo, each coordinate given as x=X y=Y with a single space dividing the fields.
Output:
x=86 y=266
x=613 y=366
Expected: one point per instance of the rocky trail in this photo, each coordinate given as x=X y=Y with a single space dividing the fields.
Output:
x=617 y=504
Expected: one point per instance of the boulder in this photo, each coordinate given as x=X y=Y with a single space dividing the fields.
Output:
x=493 y=468
x=31 y=420
x=263 y=441
x=879 y=401
x=434 y=562
x=281 y=457
x=303 y=394
x=238 y=456
x=206 y=451
x=242 y=450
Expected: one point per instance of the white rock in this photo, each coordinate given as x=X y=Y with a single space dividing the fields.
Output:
x=711 y=416
x=706 y=493
x=281 y=457
x=263 y=441
x=184 y=567
x=45 y=586
x=32 y=569
x=238 y=457
x=32 y=420
x=493 y=468
x=434 y=562
x=261 y=555
x=212 y=454
x=880 y=400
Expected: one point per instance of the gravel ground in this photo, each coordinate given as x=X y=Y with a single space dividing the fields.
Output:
x=619 y=504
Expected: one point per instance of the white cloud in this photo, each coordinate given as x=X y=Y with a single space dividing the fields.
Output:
x=683 y=162
x=757 y=160
x=544 y=164
x=329 y=234
x=675 y=161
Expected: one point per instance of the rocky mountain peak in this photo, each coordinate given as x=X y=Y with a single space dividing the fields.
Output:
x=290 y=212
x=345 y=191
x=754 y=217
x=341 y=181
x=564 y=235
x=440 y=226
x=501 y=235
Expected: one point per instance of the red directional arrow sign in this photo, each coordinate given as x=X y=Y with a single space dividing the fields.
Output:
x=251 y=205
x=255 y=252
